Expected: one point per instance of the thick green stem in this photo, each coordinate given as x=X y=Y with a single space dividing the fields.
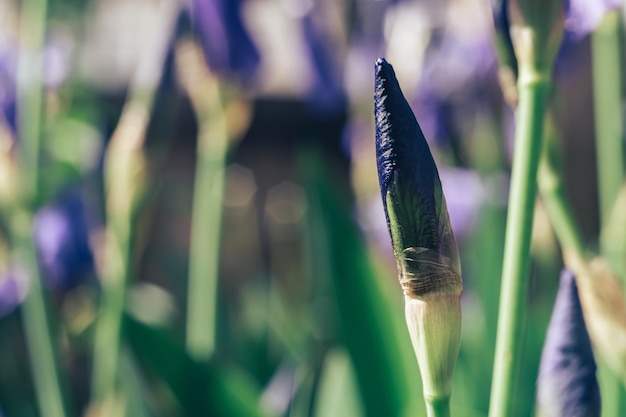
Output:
x=438 y=407
x=533 y=93
x=607 y=91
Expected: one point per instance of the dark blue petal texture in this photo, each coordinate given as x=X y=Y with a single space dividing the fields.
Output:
x=406 y=167
x=417 y=216
x=227 y=46
x=62 y=241
x=567 y=384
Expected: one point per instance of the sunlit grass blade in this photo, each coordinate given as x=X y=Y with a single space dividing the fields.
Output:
x=367 y=320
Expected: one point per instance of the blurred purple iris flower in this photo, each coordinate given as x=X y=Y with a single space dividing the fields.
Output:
x=458 y=80
x=583 y=16
x=227 y=46
x=567 y=384
x=14 y=285
x=327 y=95
x=62 y=242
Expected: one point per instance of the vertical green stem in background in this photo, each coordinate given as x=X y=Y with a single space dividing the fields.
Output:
x=125 y=183
x=36 y=326
x=206 y=218
x=205 y=237
x=552 y=189
x=30 y=107
x=533 y=93
x=30 y=92
x=607 y=90
x=607 y=99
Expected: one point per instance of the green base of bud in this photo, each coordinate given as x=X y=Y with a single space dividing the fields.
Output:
x=434 y=323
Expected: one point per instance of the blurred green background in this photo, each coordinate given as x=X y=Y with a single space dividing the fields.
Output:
x=304 y=258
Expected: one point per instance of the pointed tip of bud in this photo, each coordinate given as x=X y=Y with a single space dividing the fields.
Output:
x=406 y=168
x=567 y=383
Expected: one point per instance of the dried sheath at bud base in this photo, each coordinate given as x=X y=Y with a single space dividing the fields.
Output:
x=422 y=239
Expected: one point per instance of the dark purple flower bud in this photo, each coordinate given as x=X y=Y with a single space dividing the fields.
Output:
x=62 y=242
x=567 y=384
x=227 y=46
x=408 y=177
x=421 y=236
x=14 y=286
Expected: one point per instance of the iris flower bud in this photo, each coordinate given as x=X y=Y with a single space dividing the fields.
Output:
x=567 y=384
x=423 y=243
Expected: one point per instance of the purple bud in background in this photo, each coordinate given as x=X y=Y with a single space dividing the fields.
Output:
x=228 y=48
x=14 y=285
x=62 y=242
x=583 y=16
x=567 y=384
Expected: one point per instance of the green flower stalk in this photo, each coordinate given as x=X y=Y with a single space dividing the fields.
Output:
x=207 y=99
x=126 y=184
x=423 y=243
x=536 y=28
x=607 y=89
